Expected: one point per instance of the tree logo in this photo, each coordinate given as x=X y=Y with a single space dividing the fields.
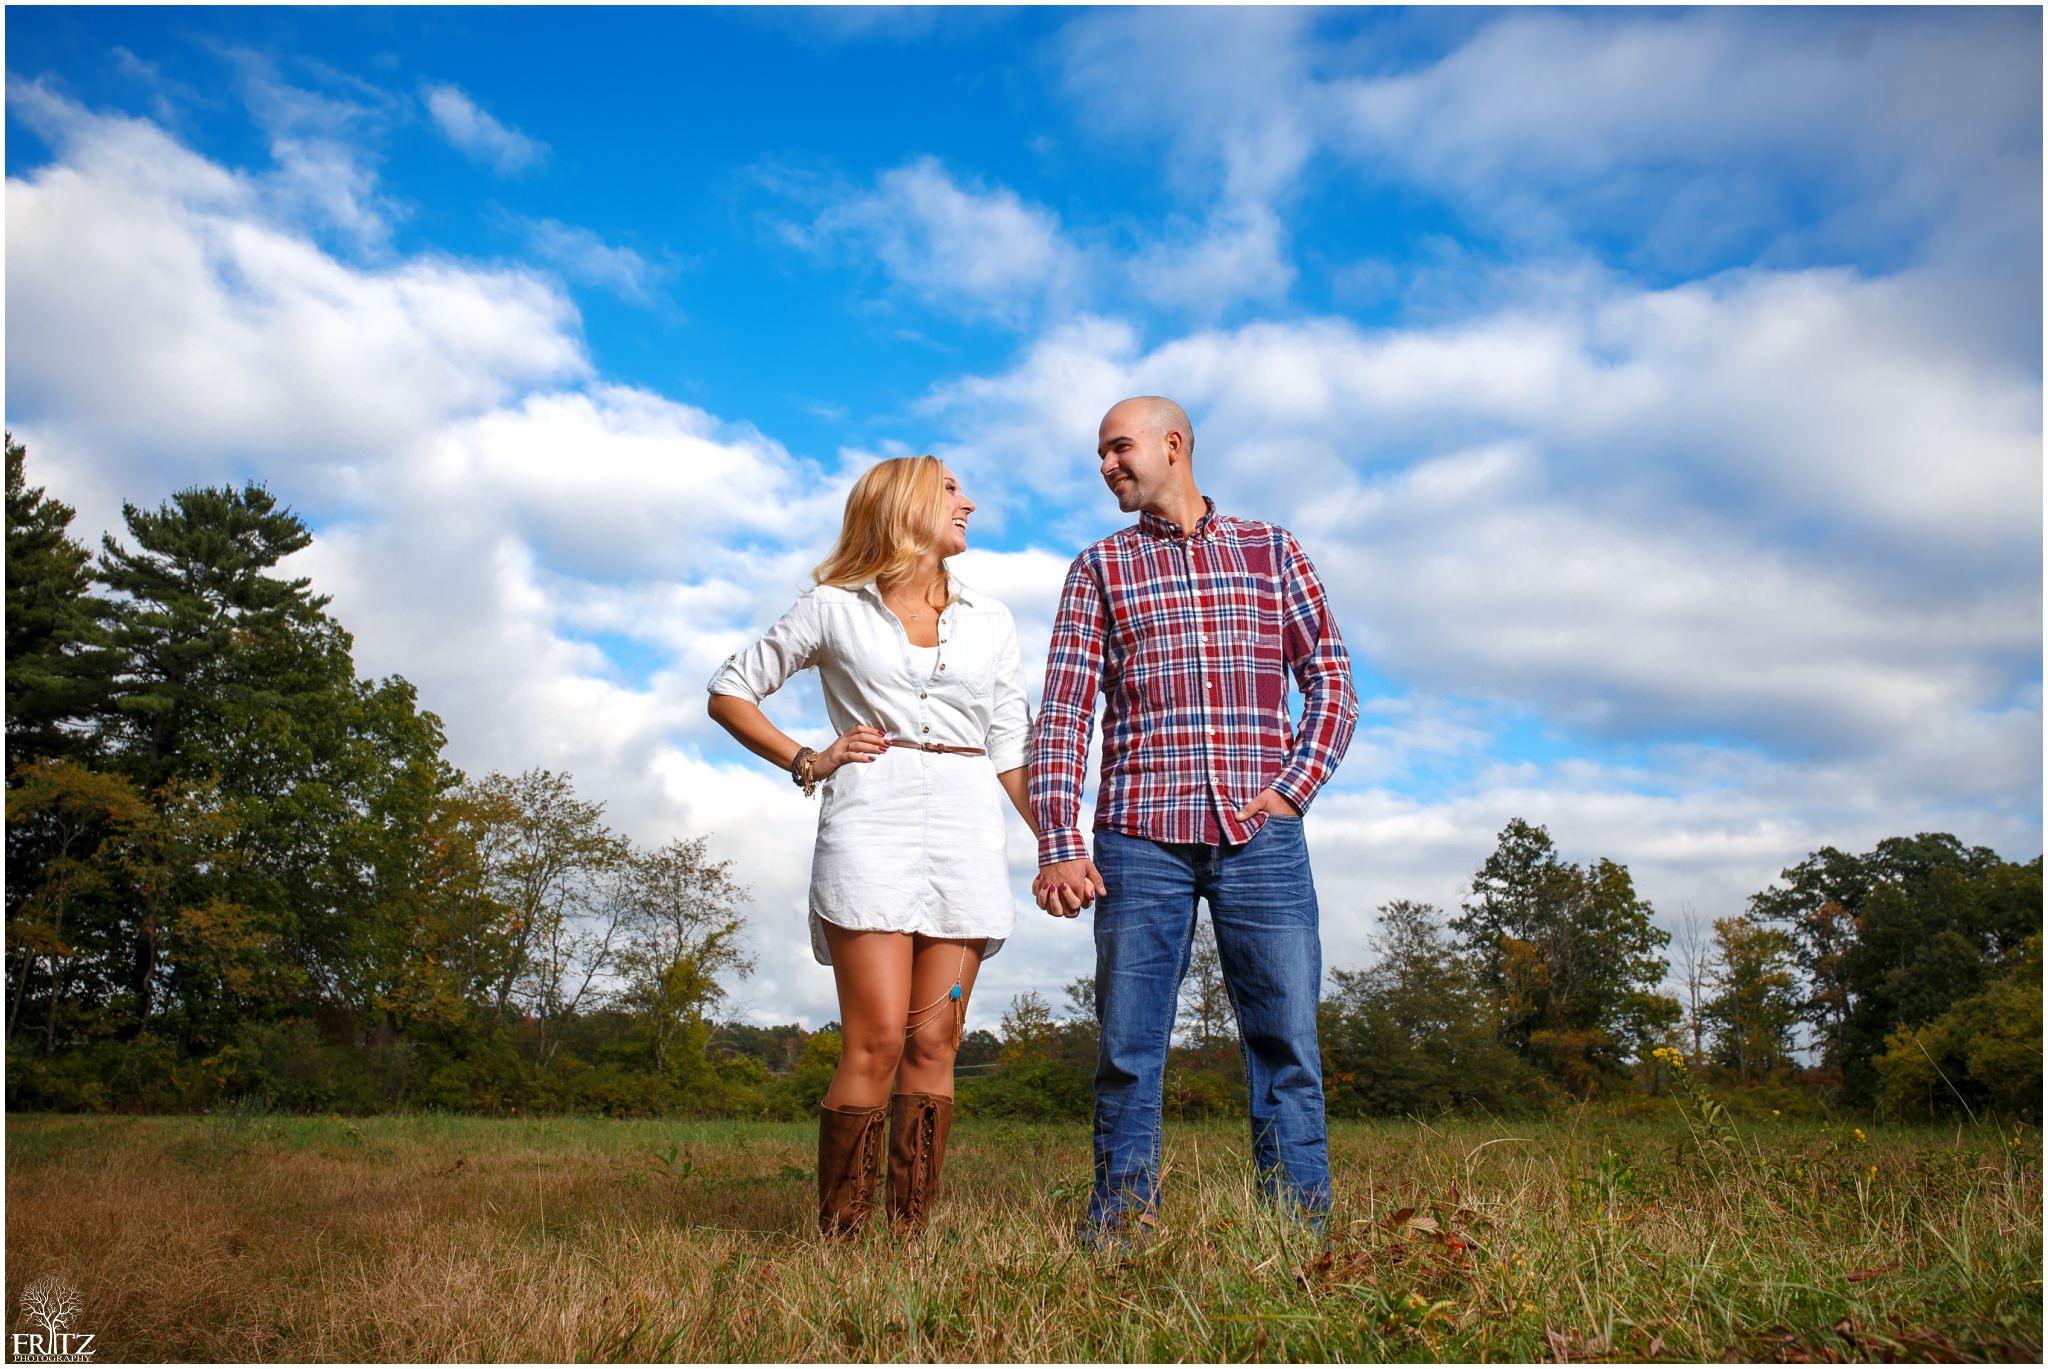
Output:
x=52 y=1304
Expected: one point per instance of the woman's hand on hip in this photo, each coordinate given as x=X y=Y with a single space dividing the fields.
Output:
x=862 y=744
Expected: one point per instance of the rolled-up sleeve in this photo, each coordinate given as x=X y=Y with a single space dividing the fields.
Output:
x=791 y=645
x=1009 y=731
x=1322 y=668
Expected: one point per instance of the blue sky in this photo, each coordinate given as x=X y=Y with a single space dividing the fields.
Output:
x=1659 y=391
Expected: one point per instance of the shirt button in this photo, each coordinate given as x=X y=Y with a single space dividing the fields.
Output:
x=920 y=693
x=942 y=665
x=924 y=729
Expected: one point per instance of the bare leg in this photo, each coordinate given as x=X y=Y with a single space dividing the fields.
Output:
x=873 y=971
x=929 y=1050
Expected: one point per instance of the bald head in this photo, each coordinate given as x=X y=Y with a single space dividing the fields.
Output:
x=1155 y=415
x=1146 y=448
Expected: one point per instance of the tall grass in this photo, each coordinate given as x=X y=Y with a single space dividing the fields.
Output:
x=422 y=1237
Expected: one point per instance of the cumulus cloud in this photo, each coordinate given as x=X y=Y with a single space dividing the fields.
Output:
x=473 y=132
x=1710 y=510
x=1678 y=140
x=1225 y=89
x=1228 y=89
x=485 y=506
x=164 y=314
x=1239 y=255
x=968 y=250
x=1717 y=127
x=1705 y=826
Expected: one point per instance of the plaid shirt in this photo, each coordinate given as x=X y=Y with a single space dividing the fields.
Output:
x=1190 y=638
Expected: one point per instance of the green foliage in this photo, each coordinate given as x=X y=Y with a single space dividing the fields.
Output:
x=1755 y=1002
x=1982 y=1054
x=1412 y=1035
x=1892 y=940
x=682 y=931
x=1569 y=956
x=1036 y=1090
x=56 y=670
x=1029 y=1034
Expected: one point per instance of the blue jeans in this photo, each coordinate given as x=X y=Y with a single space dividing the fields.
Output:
x=1262 y=902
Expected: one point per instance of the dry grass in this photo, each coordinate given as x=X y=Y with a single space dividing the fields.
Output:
x=448 y=1238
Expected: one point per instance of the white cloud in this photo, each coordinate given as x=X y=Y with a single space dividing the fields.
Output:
x=472 y=130
x=1225 y=87
x=583 y=256
x=1688 y=137
x=614 y=484
x=963 y=249
x=478 y=522
x=323 y=176
x=1239 y=255
x=160 y=312
x=1889 y=120
x=1715 y=509
x=1226 y=90
x=1682 y=138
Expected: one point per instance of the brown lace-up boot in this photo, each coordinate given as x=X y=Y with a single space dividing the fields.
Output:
x=918 y=1123
x=849 y=1144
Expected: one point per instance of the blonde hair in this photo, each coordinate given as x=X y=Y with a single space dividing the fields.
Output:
x=893 y=516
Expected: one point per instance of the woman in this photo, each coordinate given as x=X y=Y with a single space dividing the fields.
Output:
x=910 y=885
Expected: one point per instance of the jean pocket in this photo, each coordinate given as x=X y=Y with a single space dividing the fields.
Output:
x=1286 y=823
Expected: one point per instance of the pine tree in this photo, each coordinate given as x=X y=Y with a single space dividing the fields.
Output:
x=56 y=673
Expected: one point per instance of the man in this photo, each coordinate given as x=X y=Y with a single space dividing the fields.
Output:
x=1189 y=624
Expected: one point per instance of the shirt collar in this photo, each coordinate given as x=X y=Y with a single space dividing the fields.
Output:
x=1160 y=527
x=963 y=593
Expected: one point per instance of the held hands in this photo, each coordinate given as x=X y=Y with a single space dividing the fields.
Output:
x=1065 y=887
x=1268 y=801
x=862 y=744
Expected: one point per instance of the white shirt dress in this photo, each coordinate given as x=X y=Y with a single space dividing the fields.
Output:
x=913 y=841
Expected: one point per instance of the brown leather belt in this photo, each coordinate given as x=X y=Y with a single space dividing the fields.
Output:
x=939 y=747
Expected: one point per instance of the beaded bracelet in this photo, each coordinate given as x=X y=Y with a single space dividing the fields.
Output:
x=800 y=771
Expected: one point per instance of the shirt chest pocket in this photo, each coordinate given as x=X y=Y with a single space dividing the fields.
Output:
x=967 y=659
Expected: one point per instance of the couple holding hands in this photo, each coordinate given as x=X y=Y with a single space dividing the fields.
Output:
x=1188 y=625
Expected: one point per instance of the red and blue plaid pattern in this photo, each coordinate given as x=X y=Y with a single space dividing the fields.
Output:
x=1189 y=639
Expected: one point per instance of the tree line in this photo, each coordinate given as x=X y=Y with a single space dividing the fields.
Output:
x=235 y=868
x=238 y=870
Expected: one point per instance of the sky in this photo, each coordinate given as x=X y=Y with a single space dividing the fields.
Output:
x=1658 y=392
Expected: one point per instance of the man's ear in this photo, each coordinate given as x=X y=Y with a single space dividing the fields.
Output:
x=1175 y=452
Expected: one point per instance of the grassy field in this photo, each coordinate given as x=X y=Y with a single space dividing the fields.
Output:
x=243 y=1237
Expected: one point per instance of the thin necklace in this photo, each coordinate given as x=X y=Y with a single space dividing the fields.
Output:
x=915 y=616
